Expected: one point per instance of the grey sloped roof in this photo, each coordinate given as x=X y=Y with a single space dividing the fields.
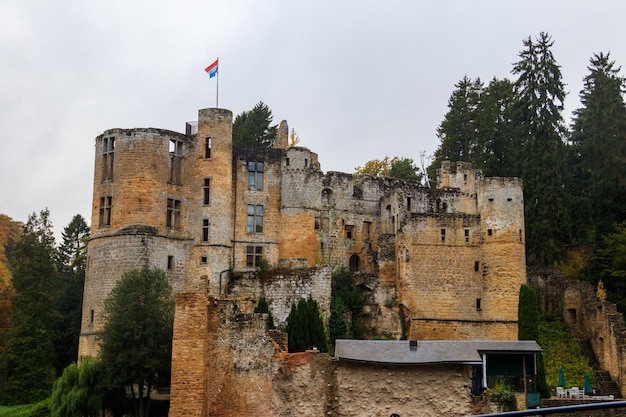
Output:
x=400 y=352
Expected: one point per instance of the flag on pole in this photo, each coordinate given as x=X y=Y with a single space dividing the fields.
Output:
x=212 y=69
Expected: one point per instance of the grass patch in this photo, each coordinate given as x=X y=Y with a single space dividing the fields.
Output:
x=561 y=350
x=26 y=410
x=15 y=410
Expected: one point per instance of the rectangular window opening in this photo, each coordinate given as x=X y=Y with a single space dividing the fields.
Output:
x=204 y=260
x=108 y=154
x=92 y=315
x=205 y=230
x=467 y=235
x=105 y=211
x=476 y=266
x=176 y=161
x=173 y=214
x=443 y=235
x=255 y=218
x=206 y=191
x=349 y=231
x=478 y=304
x=324 y=219
x=207 y=148
x=408 y=204
x=170 y=262
x=255 y=175
x=254 y=254
x=367 y=227
x=489 y=232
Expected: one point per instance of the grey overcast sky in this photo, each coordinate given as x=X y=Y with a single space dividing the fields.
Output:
x=357 y=80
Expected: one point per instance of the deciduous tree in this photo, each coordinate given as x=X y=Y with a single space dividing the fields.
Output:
x=396 y=167
x=136 y=341
x=79 y=391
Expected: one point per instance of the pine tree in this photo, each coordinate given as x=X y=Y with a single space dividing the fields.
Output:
x=460 y=131
x=599 y=143
x=539 y=96
x=497 y=108
x=71 y=264
x=253 y=128
x=27 y=361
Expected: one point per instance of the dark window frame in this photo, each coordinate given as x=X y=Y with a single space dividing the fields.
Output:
x=256 y=175
x=254 y=254
x=255 y=214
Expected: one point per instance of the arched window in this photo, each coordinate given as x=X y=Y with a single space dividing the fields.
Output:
x=354 y=263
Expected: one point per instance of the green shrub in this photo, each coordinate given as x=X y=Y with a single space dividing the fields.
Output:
x=264 y=307
x=305 y=326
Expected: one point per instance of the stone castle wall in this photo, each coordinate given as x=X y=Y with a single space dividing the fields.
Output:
x=589 y=318
x=249 y=373
x=447 y=261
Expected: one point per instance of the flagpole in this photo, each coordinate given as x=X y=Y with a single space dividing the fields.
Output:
x=217 y=90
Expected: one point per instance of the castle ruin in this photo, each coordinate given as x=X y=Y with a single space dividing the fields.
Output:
x=443 y=263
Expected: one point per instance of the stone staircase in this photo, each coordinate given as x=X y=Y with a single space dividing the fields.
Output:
x=605 y=384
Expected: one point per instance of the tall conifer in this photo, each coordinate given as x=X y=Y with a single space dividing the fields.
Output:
x=539 y=96
x=599 y=142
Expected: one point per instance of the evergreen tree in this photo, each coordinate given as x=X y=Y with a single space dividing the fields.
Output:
x=528 y=314
x=539 y=96
x=264 y=307
x=460 y=131
x=136 y=341
x=599 y=147
x=253 y=128
x=68 y=297
x=528 y=329
x=497 y=107
x=305 y=326
x=27 y=361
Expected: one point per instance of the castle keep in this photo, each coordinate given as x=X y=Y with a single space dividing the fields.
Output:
x=443 y=263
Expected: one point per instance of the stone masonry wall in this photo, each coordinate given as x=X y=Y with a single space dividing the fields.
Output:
x=281 y=290
x=240 y=369
x=589 y=318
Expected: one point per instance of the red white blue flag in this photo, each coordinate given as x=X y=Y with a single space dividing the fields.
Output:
x=212 y=69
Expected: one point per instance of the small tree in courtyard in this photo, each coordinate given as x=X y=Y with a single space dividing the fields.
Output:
x=305 y=326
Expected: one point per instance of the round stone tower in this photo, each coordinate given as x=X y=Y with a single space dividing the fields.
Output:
x=155 y=194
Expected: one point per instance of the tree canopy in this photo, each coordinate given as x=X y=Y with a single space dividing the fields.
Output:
x=254 y=127
x=27 y=363
x=516 y=129
x=305 y=326
x=396 y=167
x=68 y=297
x=598 y=156
x=136 y=341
